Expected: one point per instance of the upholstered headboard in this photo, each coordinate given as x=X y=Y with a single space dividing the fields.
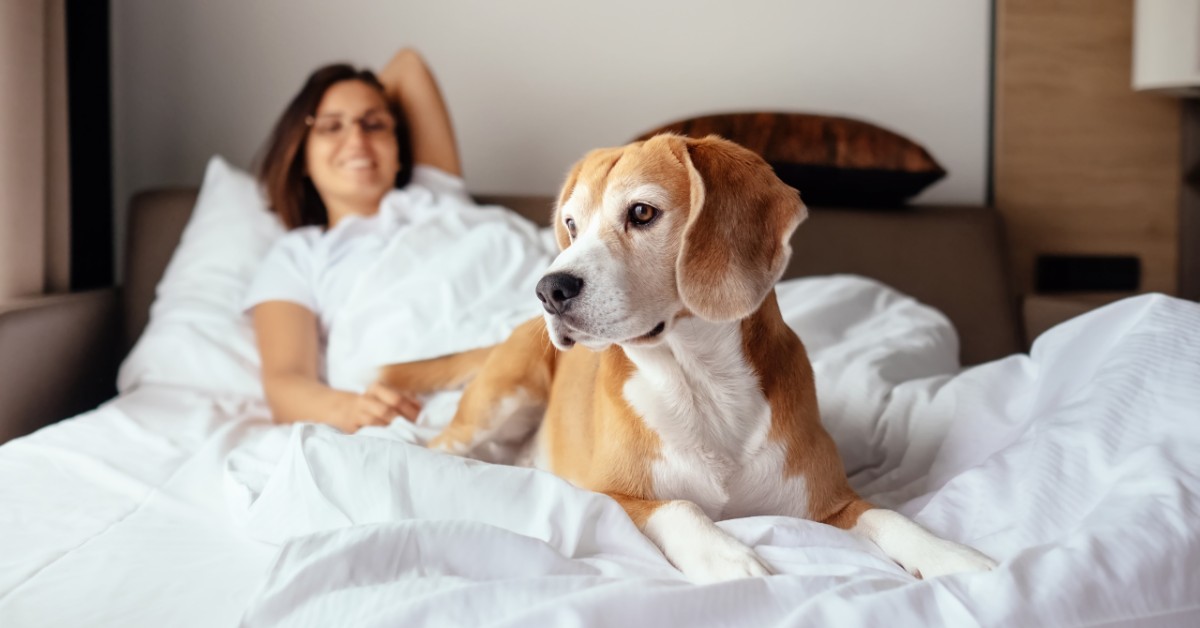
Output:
x=950 y=258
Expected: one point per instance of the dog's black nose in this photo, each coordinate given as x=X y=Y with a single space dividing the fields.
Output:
x=556 y=290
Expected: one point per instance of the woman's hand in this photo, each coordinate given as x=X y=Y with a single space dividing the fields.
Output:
x=378 y=406
x=288 y=341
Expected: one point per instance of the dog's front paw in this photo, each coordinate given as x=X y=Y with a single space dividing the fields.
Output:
x=916 y=549
x=698 y=547
x=947 y=557
x=446 y=444
x=721 y=561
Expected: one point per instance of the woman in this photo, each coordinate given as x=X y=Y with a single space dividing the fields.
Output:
x=340 y=148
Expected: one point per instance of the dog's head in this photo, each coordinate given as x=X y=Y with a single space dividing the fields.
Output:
x=658 y=229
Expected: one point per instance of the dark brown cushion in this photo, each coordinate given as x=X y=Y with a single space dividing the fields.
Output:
x=834 y=162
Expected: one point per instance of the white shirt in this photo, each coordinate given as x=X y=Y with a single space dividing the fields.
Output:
x=315 y=267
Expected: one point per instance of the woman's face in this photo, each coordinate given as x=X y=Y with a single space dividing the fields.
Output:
x=351 y=152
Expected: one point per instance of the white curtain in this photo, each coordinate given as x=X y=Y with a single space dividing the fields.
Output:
x=33 y=170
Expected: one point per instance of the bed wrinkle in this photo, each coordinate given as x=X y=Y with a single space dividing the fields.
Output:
x=1141 y=620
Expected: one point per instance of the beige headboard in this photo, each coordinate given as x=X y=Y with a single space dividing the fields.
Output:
x=950 y=258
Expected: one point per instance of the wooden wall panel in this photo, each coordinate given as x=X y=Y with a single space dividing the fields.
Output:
x=1082 y=163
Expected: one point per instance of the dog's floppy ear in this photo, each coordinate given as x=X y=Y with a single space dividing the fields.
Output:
x=736 y=242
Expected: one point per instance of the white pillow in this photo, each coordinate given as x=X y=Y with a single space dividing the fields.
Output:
x=197 y=336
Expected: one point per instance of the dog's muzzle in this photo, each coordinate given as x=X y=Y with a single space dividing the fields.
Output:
x=556 y=291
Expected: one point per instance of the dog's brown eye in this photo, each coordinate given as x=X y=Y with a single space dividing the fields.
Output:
x=642 y=214
x=570 y=222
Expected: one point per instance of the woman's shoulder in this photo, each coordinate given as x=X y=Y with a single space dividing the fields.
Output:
x=300 y=238
x=436 y=181
x=296 y=244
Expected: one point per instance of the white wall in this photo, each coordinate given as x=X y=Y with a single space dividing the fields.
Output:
x=533 y=84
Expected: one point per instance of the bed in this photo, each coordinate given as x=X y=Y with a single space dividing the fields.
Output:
x=179 y=503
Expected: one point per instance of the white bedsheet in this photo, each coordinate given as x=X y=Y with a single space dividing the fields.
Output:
x=119 y=517
x=459 y=277
x=1075 y=467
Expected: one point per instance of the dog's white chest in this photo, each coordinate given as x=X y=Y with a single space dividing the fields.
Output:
x=701 y=397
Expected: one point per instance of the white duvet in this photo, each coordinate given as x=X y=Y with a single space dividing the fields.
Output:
x=456 y=277
x=1076 y=467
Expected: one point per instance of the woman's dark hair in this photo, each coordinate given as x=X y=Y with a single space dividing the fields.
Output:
x=290 y=193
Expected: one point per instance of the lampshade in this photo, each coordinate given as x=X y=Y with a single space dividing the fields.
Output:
x=1166 y=46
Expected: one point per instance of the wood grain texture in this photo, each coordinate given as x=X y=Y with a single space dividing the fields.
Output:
x=1083 y=164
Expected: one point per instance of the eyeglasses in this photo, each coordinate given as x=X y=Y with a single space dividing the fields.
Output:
x=335 y=126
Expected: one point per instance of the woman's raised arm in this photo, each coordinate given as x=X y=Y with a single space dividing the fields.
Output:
x=408 y=80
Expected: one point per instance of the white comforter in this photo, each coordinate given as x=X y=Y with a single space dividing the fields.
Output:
x=456 y=278
x=1076 y=467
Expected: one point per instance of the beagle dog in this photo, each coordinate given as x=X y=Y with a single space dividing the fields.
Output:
x=662 y=373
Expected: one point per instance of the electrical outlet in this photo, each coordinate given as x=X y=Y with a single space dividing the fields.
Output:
x=1088 y=273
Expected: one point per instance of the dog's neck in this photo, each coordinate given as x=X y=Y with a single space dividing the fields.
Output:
x=698 y=390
